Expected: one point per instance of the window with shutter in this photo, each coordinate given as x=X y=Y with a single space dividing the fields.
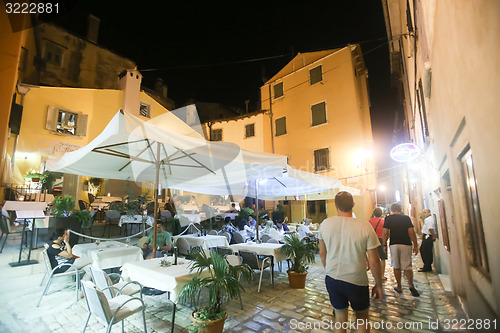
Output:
x=280 y=124
x=66 y=122
x=217 y=134
x=315 y=75
x=249 y=130
x=53 y=53
x=51 y=123
x=318 y=113
x=144 y=110
x=81 y=127
x=278 y=90
x=321 y=159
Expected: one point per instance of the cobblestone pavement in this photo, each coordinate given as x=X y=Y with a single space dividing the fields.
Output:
x=278 y=309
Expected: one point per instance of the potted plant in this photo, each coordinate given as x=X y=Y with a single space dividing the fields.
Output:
x=222 y=285
x=63 y=210
x=301 y=254
x=48 y=178
x=278 y=214
x=34 y=176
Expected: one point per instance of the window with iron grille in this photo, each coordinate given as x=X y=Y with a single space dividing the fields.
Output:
x=476 y=244
x=144 y=110
x=280 y=124
x=321 y=159
x=318 y=112
x=249 y=130
x=278 y=90
x=315 y=75
x=217 y=134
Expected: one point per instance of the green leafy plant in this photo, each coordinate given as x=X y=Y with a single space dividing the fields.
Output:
x=32 y=175
x=278 y=214
x=300 y=252
x=65 y=207
x=222 y=284
x=48 y=178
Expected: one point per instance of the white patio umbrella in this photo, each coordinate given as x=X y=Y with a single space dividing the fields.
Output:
x=130 y=148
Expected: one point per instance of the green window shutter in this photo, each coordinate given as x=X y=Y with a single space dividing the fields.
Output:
x=316 y=75
x=318 y=113
x=51 y=123
x=81 y=125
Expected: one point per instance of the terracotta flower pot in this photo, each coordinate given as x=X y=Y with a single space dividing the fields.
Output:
x=35 y=180
x=297 y=280
x=210 y=326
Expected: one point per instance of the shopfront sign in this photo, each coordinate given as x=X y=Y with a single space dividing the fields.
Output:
x=405 y=152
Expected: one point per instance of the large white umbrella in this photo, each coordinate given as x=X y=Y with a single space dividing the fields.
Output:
x=130 y=148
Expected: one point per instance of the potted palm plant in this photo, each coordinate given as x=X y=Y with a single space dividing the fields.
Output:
x=301 y=254
x=63 y=210
x=222 y=284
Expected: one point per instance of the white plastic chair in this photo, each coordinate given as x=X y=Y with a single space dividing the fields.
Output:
x=103 y=281
x=251 y=259
x=213 y=232
x=51 y=273
x=111 y=310
x=238 y=238
x=142 y=241
x=227 y=235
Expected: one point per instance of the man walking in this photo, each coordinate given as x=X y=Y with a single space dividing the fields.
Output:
x=428 y=238
x=344 y=243
x=399 y=229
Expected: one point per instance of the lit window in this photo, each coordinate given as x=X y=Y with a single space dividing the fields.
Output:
x=217 y=134
x=144 y=110
x=478 y=255
x=278 y=90
x=315 y=75
x=318 y=113
x=321 y=159
x=280 y=124
x=67 y=122
x=249 y=130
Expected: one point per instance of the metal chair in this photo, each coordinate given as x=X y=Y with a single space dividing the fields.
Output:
x=223 y=251
x=93 y=215
x=112 y=218
x=235 y=260
x=273 y=240
x=51 y=272
x=91 y=198
x=111 y=310
x=185 y=249
x=165 y=215
x=4 y=226
x=264 y=238
x=251 y=259
x=227 y=235
x=103 y=281
x=238 y=238
x=213 y=232
x=83 y=205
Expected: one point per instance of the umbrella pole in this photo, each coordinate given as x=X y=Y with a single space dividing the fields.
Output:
x=257 y=208
x=155 y=196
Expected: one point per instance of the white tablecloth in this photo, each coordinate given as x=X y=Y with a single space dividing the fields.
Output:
x=150 y=274
x=231 y=215
x=135 y=219
x=99 y=205
x=23 y=205
x=265 y=249
x=108 y=199
x=205 y=242
x=108 y=254
x=193 y=218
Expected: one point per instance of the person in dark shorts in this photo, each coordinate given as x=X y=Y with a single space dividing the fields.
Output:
x=344 y=244
x=399 y=229
x=60 y=252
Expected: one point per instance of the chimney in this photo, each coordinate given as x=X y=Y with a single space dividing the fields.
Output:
x=246 y=105
x=130 y=82
x=161 y=88
x=92 y=28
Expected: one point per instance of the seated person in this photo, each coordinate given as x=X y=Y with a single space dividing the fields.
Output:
x=233 y=209
x=228 y=226
x=60 y=252
x=163 y=243
x=305 y=229
x=281 y=226
x=252 y=223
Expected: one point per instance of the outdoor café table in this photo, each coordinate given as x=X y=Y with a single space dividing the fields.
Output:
x=193 y=218
x=99 y=205
x=135 y=219
x=171 y=279
x=108 y=254
x=205 y=242
x=272 y=250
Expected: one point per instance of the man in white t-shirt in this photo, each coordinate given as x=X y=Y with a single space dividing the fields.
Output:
x=428 y=238
x=344 y=244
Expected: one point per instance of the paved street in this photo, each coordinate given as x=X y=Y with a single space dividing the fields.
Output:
x=278 y=309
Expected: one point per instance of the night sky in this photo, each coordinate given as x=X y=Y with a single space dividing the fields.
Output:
x=220 y=51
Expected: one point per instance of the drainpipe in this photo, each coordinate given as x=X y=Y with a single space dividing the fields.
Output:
x=271 y=119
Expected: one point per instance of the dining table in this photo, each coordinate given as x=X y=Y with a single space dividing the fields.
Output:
x=205 y=242
x=108 y=254
x=171 y=279
x=271 y=250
